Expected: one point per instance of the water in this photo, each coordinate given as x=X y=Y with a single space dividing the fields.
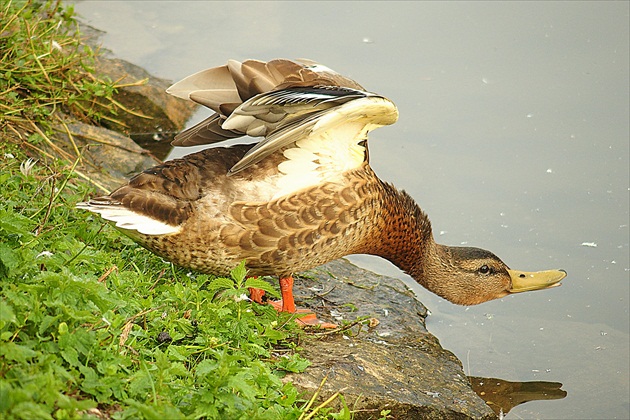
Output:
x=513 y=136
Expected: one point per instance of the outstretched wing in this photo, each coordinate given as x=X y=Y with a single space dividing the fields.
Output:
x=282 y=101
x=224 y=88
x=345 y=115
x=316 y=117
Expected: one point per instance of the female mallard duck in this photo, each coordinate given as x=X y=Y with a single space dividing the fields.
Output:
x=301 y=197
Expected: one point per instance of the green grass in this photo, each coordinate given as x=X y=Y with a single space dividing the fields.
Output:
x=45 y=67
x=47 y=77
x=88 y=319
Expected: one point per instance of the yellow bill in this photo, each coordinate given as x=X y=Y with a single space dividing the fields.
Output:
x=524 y=281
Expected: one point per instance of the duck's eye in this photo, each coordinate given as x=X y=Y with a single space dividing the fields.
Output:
x=484 y=269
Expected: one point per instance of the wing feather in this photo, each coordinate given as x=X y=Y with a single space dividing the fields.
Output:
x=223 y=89
x=360 y=115
x=281 y=100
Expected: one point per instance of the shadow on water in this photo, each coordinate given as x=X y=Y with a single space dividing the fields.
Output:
x=501 y=395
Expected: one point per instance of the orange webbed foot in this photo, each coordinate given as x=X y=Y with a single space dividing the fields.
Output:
x=287 y=304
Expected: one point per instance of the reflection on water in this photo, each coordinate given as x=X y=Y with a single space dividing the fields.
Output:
x=503 y=395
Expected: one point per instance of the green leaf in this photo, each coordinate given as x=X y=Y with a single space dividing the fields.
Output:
x=46 y=322
x=175 y=354
x=17 y=352
x=140 y=383
x=294 y=363
x=274 y=335
x=71 y=356
x=205 y=367
x=239 y=272
x=9 y=260
x=221 y=283
x=7 y=316
x=258 y=283
x=179 y=369
x=14 y=223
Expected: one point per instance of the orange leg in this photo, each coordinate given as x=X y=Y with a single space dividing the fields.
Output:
x=286 y=288
x=287 y=304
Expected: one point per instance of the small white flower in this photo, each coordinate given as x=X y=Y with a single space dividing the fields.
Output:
x=27 y=165
x=44 y=254
x=56 y=45
x=241 y=298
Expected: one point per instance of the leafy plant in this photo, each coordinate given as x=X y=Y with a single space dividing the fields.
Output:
x=239 y=283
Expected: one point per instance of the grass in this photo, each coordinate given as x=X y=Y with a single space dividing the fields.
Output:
x=46 y=68
x=47 y=79
x=91 y=324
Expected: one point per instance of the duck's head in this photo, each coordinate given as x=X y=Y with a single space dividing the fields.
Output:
x=469 y=276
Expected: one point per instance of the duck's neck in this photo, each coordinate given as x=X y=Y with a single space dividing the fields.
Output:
x=403 y=235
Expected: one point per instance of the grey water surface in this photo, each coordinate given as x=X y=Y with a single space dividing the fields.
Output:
x=513 y=136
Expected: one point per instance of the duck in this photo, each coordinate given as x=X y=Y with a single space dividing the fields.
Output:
x=303 y=195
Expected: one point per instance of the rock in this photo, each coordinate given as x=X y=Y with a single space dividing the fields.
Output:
x=155 y=116
x=397 y=365
x=108 y=158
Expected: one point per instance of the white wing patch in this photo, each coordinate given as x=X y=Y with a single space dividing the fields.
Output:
x=332 y=143
x=130 y=220
x=317 y=159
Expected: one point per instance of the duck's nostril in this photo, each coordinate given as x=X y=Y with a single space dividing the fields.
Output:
x=522 y=276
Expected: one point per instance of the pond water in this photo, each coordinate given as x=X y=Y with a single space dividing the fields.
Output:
x=513 y=136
